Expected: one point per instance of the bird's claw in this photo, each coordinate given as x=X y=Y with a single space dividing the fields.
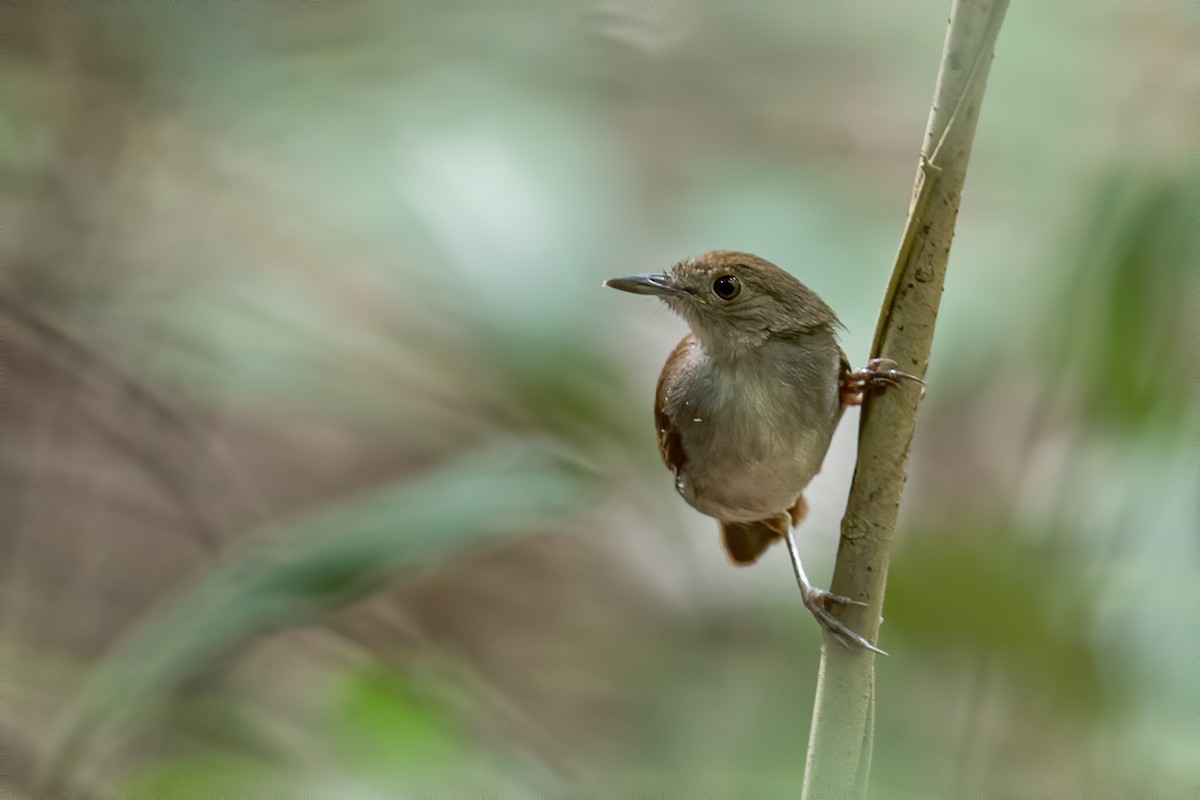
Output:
x=817 y=601
x=879 y=373
x=883 y=370
x=823 y=599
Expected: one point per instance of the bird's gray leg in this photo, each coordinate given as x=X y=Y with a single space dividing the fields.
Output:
x=817 y=601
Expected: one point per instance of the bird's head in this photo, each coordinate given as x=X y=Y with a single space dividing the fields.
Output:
x=734 y=301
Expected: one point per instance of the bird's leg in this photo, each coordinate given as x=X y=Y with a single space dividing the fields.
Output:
x=818 y=601
x=879 y=373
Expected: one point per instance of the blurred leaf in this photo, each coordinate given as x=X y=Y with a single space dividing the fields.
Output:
x=389 y=732
x=991 y=592
x=1122 y=330
x=214 y=774
x=379 y=712
x=317 y=563
x=565 y=385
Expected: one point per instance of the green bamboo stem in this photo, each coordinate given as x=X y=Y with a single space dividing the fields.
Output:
x=840 y=742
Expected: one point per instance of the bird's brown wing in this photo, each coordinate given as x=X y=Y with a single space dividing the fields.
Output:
x=670 y=445
x=843 y=376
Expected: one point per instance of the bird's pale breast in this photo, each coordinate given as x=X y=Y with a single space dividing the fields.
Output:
x=753 y=432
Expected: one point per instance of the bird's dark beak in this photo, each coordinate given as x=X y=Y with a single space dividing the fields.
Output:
x=660 y=284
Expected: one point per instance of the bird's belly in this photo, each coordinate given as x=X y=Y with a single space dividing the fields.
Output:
x=752 y=483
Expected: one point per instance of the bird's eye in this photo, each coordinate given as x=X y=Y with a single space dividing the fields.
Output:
x=727 y=287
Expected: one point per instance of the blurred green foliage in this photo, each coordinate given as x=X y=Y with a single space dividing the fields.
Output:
x=316 y=565
x=380 y=734
x=1126 y=316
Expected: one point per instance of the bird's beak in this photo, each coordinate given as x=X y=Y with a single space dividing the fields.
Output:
x=659 y=284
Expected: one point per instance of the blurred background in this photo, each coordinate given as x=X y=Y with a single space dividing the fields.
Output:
x=329 y=468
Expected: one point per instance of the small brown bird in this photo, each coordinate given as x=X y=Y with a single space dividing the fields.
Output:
x=747 y=403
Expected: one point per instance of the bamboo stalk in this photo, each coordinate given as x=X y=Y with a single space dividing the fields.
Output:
x=840 y=743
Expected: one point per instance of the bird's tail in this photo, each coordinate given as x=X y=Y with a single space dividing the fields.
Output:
x=746 y=541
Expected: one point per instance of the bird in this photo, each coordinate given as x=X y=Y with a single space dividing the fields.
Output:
x=747 y=403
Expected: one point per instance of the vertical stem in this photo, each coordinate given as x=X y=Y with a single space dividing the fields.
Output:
x=839 y=749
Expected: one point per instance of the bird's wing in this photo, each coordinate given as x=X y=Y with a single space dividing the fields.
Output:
x=846 y=368
x=843 y=374
x=670 y=444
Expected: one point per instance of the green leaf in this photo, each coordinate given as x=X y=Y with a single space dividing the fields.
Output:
x=389 y=730
x=1122 y=333
x=204 y=776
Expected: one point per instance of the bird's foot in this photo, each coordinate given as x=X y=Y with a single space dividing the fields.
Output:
x=818 y=601
x=878 y=374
